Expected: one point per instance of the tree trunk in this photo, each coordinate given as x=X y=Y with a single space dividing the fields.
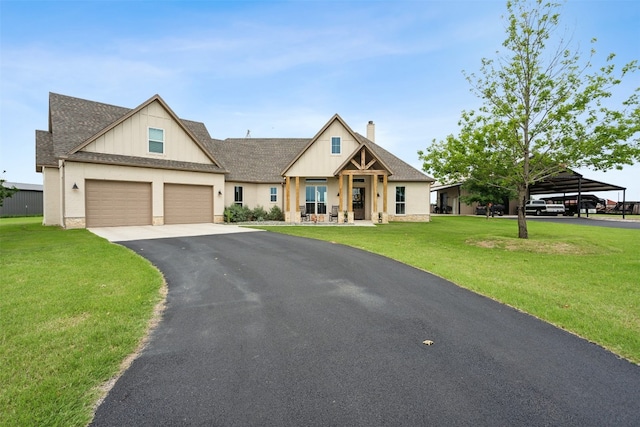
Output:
x=523 y=233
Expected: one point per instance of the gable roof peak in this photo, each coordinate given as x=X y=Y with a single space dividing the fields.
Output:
x=335 y=117
x=67 y=139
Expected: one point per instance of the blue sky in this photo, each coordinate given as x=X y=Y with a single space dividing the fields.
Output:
x=278 y=69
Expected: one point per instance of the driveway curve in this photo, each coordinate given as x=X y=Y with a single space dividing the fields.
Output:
x=263 y=329
x=592 y=222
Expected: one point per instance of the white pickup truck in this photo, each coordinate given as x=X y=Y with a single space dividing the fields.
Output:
x=540 y=207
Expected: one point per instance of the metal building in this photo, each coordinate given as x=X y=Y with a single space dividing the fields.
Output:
x=27 y=201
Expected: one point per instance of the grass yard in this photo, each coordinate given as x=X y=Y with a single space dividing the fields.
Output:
x=584 y=279
x=73 y=307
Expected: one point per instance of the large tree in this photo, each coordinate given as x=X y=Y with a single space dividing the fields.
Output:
x=544 y=110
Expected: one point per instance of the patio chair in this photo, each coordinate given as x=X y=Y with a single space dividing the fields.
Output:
x=334 y=213
x=303 y=213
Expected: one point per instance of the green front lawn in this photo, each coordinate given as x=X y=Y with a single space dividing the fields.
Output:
x=72 y=308
x=584 y=279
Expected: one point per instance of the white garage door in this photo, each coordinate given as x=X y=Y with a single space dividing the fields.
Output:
x=114 y=203
x=188 y=204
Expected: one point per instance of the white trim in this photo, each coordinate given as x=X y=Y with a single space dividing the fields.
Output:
x=339 y=146
x=149 y=140
x=403 y=203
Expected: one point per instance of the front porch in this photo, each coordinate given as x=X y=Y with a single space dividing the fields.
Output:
x=360 y=186
x=347 y=199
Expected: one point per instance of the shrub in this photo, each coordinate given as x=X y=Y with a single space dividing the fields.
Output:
x=237 y=213
x=275 y=214
x=258 y=214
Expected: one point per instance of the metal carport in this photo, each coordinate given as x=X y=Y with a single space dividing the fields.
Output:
x=573 y=182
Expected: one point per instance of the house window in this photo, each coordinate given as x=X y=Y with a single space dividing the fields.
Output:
x=400 y=201
x=237 y=195
x=274 y=194
x=316 y=199
x=156 y=140
x=336 y=145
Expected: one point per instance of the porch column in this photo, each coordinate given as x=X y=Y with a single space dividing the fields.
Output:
x=375 y=197
x=297 y=199
x=340 y=192
x=287 y=199
x=385 y=214
x=288 y=193
x=350 y=200
x=384 y=193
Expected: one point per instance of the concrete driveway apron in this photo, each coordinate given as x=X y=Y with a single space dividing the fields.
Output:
x=145 y=232
x=270 y=330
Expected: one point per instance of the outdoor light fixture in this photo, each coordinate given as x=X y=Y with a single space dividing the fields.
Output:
x=75 y=186
x=219 y=193
x=378 y=194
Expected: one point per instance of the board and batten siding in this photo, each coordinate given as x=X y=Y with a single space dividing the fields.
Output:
x=130 y=138
x=318 y=161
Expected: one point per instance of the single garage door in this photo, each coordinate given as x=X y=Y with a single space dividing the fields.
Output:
x=188 y=204
x=114 y=203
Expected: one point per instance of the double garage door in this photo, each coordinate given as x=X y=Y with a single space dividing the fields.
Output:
x=116 y=203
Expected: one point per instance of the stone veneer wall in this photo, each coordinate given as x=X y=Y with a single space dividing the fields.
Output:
x=75 y=222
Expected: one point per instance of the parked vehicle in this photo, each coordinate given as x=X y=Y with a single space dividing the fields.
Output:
x=497 y=210
x=541 y=207
x=589 y=204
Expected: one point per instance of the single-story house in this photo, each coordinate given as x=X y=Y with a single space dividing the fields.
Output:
x=27 y=201
x=105 y=165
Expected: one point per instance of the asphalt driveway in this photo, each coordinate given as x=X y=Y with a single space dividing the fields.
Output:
x=592 y=222
x=263 y=329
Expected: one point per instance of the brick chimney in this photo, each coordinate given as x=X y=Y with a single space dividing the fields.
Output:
x=371 y=131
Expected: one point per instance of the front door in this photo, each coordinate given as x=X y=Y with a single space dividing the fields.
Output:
x=358 y=203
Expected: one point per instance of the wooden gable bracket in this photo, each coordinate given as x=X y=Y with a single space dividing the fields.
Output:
x=362 y=165
x=356 y=164
x=370 y=164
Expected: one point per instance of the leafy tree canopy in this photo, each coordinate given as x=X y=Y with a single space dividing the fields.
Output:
x=544 y=110
x=5 y=192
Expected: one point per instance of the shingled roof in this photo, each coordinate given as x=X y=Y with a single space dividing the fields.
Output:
x=257 y=159
x=261 y=160
x=402 y=171
x=73 y=122
x=44 y=150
